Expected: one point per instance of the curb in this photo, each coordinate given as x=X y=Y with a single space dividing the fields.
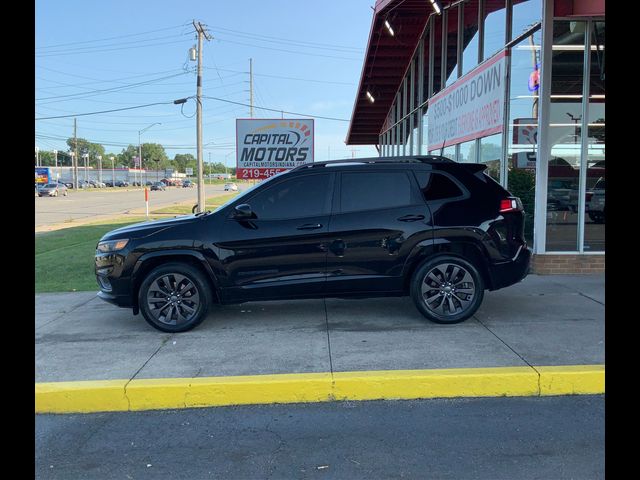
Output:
x=175 y=393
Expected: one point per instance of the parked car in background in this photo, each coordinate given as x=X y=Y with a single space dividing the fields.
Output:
x=426 y=227
x=188 y=184
x=595 y=202
x=230 y=187
x=108 y=184
x=53 y=190
x=85 y=184
x=148 y=183
x=158 y=186
x=122 y=183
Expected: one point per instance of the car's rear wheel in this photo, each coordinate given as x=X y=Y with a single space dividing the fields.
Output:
x=447 y=289
x=174 y=297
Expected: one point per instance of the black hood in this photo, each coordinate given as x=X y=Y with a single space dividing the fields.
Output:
x=144 y=229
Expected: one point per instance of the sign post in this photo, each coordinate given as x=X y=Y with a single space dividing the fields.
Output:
x=146 y=200
x=266 y=147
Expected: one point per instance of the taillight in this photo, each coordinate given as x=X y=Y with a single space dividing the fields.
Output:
x=589 y=195
x=511 y=204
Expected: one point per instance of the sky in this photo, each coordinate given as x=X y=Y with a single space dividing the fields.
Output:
x=93 y=56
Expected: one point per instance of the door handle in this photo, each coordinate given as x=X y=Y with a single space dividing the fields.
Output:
x=411 y=218
x=310 y=226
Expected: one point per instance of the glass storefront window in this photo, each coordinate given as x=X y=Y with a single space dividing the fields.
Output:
x=452 y=46
x=523 y=125
x=467 y=152
x=495 y=24
x=595 y=194
x=425 y=122
x=437 y=53
x=525 y=14
x=565 y=135
x=449 y=152
x=470 y=36
x=491 y=153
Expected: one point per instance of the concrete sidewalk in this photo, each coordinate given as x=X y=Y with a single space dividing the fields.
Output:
x=542 y=321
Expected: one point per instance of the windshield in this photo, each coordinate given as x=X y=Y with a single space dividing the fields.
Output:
x=248 y=191
x=50 y=185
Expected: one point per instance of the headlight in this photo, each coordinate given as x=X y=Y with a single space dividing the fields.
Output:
x=112 y=245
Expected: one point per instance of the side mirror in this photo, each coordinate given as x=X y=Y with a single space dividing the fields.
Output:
x=243 y=212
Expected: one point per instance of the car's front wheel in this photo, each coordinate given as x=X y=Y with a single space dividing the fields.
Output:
x=447 y=289
x=174 y=297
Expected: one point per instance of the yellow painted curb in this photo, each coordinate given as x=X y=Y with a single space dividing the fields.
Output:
x=165 y=393
x=86 y=397
x=571 y=380
x=217 y=391
x=445 y=383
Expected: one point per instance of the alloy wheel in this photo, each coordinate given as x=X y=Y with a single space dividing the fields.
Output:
x=448 y=289
x=173 y=299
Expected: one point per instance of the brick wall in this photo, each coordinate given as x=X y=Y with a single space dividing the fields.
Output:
x=549 y=264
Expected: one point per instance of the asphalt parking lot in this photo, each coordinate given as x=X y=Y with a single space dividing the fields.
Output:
x=98 y=204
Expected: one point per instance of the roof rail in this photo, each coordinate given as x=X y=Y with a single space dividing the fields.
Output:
x=355 y=161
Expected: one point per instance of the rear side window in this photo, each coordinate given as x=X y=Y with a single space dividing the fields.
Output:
x=306 y=196
x=436 y=186
x=374 y=191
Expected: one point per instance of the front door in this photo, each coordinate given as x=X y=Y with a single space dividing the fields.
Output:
x=282 y=252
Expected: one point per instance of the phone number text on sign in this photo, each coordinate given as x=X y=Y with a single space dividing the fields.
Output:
x=258 y=173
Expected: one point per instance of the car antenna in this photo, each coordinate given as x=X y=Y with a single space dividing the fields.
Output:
x=442 y=148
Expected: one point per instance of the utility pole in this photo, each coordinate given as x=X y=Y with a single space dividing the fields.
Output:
x=250 y=88
x=75 y=155
x=100 y=168
x=55 y=156
x=37 y=157
x=113 y=173
x=201 y=33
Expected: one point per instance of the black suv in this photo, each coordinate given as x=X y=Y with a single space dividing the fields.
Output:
x=439 y=231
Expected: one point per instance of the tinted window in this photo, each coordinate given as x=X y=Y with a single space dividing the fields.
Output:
x=306 y=196
x=436 y=186
x=373 y=191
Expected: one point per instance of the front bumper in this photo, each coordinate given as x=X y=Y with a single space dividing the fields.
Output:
x=118 y=300
x=513 y=271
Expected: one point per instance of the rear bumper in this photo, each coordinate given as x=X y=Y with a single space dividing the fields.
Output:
x=505 y=274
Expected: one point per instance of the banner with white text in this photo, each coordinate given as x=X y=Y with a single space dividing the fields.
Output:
x=470 y=108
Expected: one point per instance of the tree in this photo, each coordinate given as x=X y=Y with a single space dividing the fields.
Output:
x=85 y=146
x=183 y=161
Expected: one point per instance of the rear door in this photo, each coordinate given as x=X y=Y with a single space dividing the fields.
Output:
x=379 y=216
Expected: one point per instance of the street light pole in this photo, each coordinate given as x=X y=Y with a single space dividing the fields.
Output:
x=140 y=132
x=55 y=156
x=86 y=173
x=113 y=173
x=100 y=168
x=37 y=157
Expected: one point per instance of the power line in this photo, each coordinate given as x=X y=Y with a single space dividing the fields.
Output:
x=287 y=51
x=108 y=49
x=98 y=48
x=288 y=78
x=277 y=110
x=105 y=111
x=113 y=38
x=291 y=41
x=113 y=89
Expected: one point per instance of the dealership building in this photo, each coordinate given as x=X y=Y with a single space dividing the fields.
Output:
x=516 y=85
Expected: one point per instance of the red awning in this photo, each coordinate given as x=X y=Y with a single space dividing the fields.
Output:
x=385 y=63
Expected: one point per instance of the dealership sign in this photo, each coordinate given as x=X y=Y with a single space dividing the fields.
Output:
x=265 y=147
x=470 y=108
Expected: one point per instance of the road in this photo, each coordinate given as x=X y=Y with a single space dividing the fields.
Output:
x=98 y=204
x=492 y=438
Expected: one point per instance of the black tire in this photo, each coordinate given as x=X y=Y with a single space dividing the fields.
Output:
x=169 y=295
x=459 y=284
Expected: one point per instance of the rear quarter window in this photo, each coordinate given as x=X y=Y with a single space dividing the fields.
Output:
x=438 y=186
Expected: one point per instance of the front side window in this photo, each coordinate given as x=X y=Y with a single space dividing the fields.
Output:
x=374 y=191
x=306 y=196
